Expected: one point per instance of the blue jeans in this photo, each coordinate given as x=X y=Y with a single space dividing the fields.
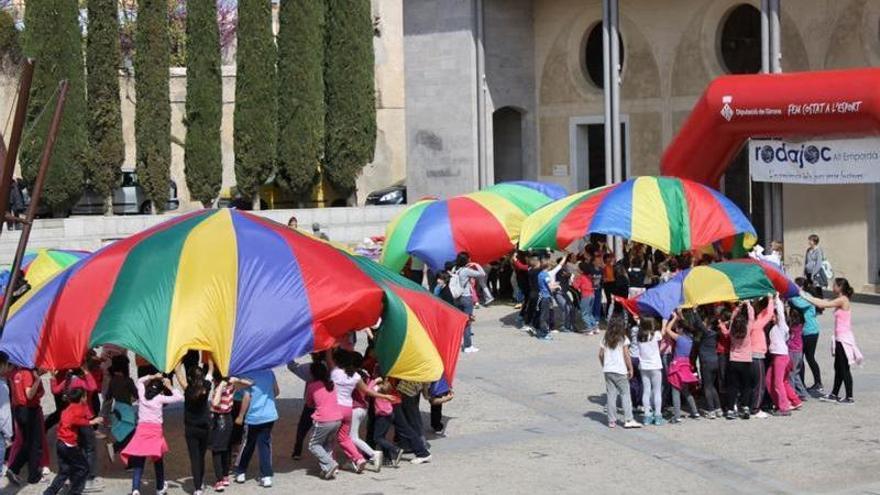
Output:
x=259 y=437
x=466 y=304
x=567 y=309
x=543 y=316
x=597 y=303
x=137 y=465
x=590 y=321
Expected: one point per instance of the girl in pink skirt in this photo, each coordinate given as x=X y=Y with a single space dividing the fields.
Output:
x=148 y=441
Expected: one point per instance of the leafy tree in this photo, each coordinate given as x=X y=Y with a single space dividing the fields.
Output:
x=105 y=117
x=300 y=94
x=153 y=108
x=204 y=102
x=255 y=121
x=350 y=120
x=53 y=38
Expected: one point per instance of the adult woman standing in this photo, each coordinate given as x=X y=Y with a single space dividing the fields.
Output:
x=813 y=263
x=845 y=350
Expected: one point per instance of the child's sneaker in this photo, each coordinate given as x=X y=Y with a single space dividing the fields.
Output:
x=240 y=478
x=659 y=421
x=164 y=489
x=847 y=401
x=632 y=424
x=421 y=460
x=225 y=481
x=829 y=398
x=648 y=419
x=376 y=462
x=266 y=482
x=219 y=487
x=746 y=414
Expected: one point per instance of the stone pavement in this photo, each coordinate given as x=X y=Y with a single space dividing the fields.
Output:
x=527 y=418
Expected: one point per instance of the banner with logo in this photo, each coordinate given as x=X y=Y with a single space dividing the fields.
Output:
x=827 y=161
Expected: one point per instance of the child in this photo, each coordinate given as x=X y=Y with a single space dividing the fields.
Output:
x=810 y=336
x=121 y=394
x=221 y=428
x=546 y=285
x=780 y=390
x=327 y=418
x=72 y=463
x=5 y=410
x=258 y=413
x=758 y=339
x=583 y=283
x=708 y=355
x=26 y=394
x=347 y=380
x=148 y=441
x=681 y=375
x=196 y=420
x=796 y=352
x=635 y=381
x=382 y=422
x=740 y=382
x=617 y=366
x=651 y=369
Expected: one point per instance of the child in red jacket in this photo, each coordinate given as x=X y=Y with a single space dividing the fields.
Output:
x=72 y=463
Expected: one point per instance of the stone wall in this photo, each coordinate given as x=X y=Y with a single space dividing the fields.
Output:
x=347 y=225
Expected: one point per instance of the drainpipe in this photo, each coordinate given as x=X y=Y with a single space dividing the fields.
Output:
x=775 y=55
x=480 y=69
x=607 y=85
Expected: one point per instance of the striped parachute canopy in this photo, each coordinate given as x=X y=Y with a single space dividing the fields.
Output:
x=42 y=264
x=485 y=223
x=252 y=292
x=669 y=214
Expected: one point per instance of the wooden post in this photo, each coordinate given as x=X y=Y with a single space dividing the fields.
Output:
x=10 y=155
x=28 y=222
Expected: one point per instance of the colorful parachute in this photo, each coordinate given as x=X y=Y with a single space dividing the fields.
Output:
x=718 y=282
x=672 y=215
x=485 y=223
x=420 y=335
x=252 y=292
x=42 y=264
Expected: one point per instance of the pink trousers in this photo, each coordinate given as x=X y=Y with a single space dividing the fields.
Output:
x=343 y=437
x=778 y=385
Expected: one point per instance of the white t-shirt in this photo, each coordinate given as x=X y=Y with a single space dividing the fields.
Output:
x=649 y=353
x=614 y=361
x=345 y=385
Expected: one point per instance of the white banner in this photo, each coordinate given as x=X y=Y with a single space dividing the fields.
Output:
x=827 y=161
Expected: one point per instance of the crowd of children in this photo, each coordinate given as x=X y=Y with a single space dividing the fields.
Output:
x=744 y=359
x=345 y=399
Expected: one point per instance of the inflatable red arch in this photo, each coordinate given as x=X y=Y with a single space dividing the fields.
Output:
x=839 y=103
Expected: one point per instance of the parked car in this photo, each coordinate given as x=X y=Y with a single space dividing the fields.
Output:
x=394 y=194
x=128 y=199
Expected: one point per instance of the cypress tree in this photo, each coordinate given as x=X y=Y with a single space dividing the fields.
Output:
x=153 y=108
x=103 y=58
x=255 y=122
x=300 y=94
x=350 y=96
x=53 y=38
x=204 y=94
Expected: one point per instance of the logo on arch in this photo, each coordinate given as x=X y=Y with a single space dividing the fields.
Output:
x=726 y=111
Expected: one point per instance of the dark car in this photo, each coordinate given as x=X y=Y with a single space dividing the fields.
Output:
x=394 y=194
x=128 y=199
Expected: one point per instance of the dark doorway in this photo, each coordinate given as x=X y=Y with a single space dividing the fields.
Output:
x=596 y=155
x=749 y=196
x=507 y=144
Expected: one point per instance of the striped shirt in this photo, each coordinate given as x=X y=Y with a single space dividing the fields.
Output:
x=225 y=406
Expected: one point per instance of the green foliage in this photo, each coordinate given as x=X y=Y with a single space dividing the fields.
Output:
x=53 y=39
x=105 y=118
x=255 y=121
x=348 y=81
x=10 y=42
x=204 y=102
x=153 y=110
x=300 y=94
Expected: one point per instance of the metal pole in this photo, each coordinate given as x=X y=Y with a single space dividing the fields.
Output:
x=775 y=67
x=481 y=99
x=24 y=93
x=766 y=187
x=28 y=222
x=615 y=92
x=607 y=85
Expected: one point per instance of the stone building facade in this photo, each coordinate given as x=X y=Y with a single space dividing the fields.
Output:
x=540 y=115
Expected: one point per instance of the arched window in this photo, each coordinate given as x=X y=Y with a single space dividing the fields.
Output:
x=740 y=40
x=593 y=58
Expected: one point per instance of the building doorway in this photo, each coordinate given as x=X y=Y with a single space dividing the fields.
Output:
x=507 y=144
x=749 y=196
x=588 y=151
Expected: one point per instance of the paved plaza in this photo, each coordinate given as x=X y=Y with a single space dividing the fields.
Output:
x=528 y=418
